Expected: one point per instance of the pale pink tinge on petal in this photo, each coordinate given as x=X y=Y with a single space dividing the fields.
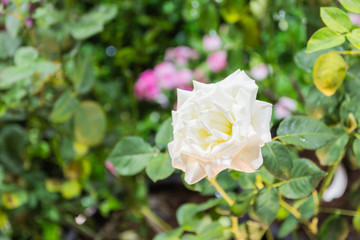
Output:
x=146 y=87
x=217 y=61
x=259 y=72
x=211 y=43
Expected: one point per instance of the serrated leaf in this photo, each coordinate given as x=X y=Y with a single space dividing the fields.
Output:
x=64 y=107
x=329 y=72
x=334 y=150
x=334 y=227
x=354 y=37
x=277 y=160
x=304 y=132
x=165 y=133
x=324 y=38
x=266 y=205
x=335 y=19
x=305 y=176
x=89 y=123
x=351 y=5
x=159 y=167
x=131 y=155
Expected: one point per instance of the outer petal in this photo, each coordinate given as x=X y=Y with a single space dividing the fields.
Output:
x=182 y=97
x=261 y=120
x=194 y=172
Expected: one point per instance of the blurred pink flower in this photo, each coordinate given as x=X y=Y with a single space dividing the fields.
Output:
x=29 y=22
x=217 y=61
x=259 y=72
x=165 y=73
x=200 y=76
x=183 y=77
x=180 y=55
x=110 y=167
x=211 y=43
x=5 y=2
x=355 y=18
x=284 y=107
x=146 y=86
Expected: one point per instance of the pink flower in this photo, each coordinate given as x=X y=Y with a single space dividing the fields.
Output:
x=284 y=107
x=146 y=86
x=180 y=55
x=165 y=73
x=259 y=72
x=355 y=18
x=211 y=43
x=29 y=22
x=110 y=167
x=217 y=61
x=183 y=77
x=200 y=76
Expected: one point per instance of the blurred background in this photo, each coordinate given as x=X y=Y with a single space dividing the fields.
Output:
x=77 y=76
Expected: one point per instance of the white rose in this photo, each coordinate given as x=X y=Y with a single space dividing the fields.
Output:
x=219 y=126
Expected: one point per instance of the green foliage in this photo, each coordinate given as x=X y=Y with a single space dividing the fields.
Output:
x=335 y=19
x=324 y=38
x=335 y=227
x=277 y=160
x=304 y=132
x=266 y=205
x=304 y=177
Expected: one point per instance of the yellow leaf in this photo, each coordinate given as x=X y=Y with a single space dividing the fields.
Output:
x=329 y=72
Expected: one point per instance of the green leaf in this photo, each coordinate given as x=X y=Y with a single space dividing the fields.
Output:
x=335 y=227
x=211 y=231
x=334 y=150
x=351 y=5
x=12 y=25
x=186 y=214
x=288 y=226
x=8 y=45
x=329 y=72
x=305 y=176
x=306 y=61
x=245 y=180
x=356 y=220
x=304 y=132
x=165 y=134
x=356 y=149
x=170 y=235
x=15 y=199
x=64 y=107
x=110 y=204
x=71 y=189
x=277 y=160
x=354 y=37
x=83 y=76
x=159 y=167
x=324 y=38
x=11 y=75
x=335 y=19
x=266 y=205
x=131 y=155
x=89 y=123
x=25 y=56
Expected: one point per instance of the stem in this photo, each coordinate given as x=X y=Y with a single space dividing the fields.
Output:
x=18 y=10
x=275 y=138
x=356 y=135
x=290 y=208
x=277 y=184
x=234 y=220
x=221 y=191
x=348 y=52
x=340 y=211
x=328 y=178
x=151 y=216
